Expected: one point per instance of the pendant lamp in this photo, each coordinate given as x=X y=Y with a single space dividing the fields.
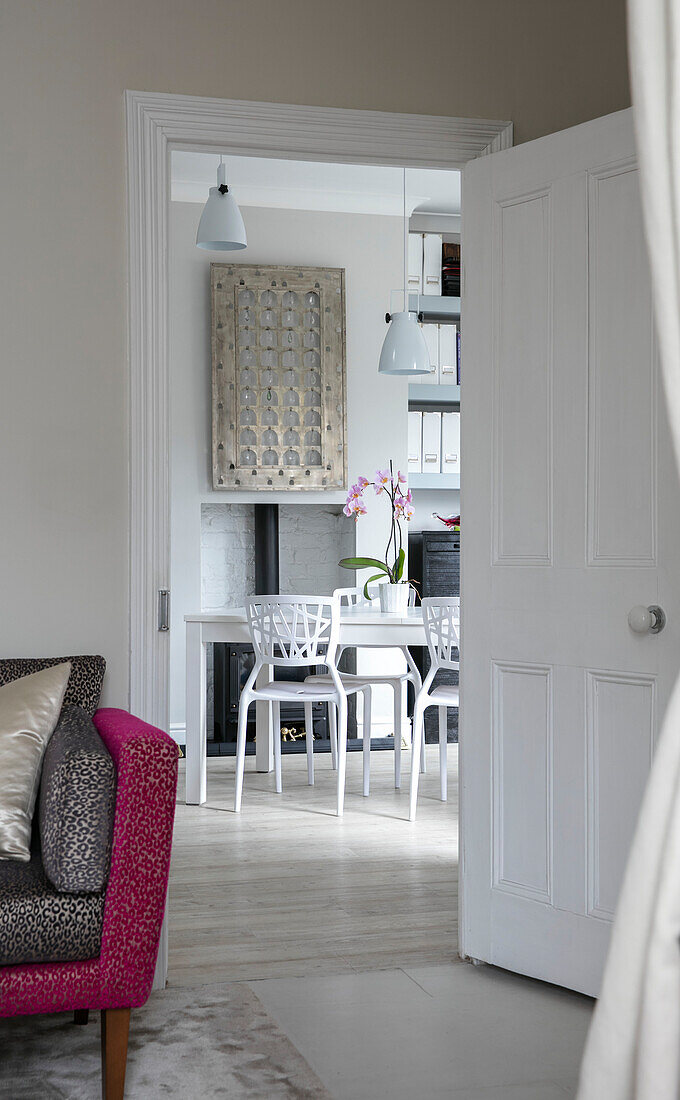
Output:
x=221 y=226
x=404 y=350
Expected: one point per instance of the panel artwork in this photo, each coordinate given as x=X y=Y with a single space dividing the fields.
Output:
x=279 y=401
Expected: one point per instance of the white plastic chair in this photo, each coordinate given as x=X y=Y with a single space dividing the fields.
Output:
x=441 y=616
x=353 y=597
x=289 y=631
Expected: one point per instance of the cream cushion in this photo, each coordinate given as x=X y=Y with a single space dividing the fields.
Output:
x=29 y=711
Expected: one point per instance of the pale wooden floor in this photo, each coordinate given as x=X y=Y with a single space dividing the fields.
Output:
x=287 y=889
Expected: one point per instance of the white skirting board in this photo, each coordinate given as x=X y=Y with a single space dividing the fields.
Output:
x=381 y=728
x=178 y=732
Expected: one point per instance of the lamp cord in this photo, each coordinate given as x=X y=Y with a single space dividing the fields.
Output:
x=405 y=249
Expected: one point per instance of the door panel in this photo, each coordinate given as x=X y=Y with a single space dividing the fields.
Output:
x=570 y=514
x=621 y=429
x=620 y=730
x=523 y=484
x=522 y=748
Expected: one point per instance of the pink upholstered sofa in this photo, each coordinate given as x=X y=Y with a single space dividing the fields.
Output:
x=120 y=977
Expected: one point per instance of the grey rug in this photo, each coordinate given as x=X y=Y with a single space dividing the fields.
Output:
x=191 y=1043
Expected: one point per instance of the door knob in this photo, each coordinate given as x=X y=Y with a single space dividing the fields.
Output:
x=646 y=620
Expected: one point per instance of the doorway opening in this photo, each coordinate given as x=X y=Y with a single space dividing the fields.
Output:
x=158 y=124
x=342 y=216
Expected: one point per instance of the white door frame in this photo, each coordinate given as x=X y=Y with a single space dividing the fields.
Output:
x=157 y=123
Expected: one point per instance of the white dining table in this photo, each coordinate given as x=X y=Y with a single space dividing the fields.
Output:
x=359 y=626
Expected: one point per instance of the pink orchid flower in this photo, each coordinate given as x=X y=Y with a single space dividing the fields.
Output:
x=382 y=478
x=355 y=507
x=403 y=506
x=401 y=502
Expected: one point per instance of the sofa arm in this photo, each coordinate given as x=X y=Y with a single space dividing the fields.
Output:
x=146 y=766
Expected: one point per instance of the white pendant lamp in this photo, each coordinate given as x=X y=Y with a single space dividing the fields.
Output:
x=404 y=350
x=221 y=226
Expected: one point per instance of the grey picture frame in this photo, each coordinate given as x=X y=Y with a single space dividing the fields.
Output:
x=279 y=408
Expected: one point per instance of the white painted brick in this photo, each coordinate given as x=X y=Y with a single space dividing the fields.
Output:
x=312 y=539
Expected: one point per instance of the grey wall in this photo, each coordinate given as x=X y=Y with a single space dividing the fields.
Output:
x=64 y=66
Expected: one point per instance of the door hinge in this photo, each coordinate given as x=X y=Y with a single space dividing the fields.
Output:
x=163 y=609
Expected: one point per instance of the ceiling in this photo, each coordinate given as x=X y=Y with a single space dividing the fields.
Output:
x=317 y=185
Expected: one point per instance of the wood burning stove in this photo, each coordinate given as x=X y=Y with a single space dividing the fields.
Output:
x=232 y=666
x=233 y=663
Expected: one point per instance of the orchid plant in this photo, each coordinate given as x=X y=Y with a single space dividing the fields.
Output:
x=394 y=486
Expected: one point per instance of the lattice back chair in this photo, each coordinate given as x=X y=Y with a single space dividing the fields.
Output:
x=289 y=631
x=294 y=630
x=350 y=597
x=354 y=597
x=441 y=618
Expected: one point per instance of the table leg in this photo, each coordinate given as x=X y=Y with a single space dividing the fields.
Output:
x=412 y=667
x=417 y=683
x=264 y=745
x=196 y=735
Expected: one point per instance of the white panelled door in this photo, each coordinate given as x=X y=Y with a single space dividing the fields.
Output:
x=570 y=505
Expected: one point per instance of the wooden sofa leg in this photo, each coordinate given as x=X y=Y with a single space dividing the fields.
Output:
x=115 y=1027
x=81 y=1015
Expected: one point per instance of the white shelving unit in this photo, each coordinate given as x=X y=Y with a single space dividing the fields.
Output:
x=434 y=481
x=447 y=308
x=423 y=394
x=435 y=309
x=434 y=398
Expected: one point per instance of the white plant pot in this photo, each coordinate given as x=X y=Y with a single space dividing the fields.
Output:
x=393 y=598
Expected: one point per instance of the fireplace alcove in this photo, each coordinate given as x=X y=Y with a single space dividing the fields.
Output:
x=267 y=548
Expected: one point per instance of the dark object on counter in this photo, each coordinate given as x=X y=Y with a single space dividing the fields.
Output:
x=434 y=564
x=448 y=521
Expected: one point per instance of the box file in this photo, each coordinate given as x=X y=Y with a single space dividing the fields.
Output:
x=451 y=443
x=447 y=355
x=432 y=263
x=415 y=439
x=431 y=334
x=415 y=262
x=432 y=434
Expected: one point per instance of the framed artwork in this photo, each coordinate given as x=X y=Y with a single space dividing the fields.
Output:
x=278 y=378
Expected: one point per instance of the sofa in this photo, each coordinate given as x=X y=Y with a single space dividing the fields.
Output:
x=80 y=922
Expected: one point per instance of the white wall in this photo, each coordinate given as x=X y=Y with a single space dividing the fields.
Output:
x=370 y=249
x=427 y=501
x=312 y=538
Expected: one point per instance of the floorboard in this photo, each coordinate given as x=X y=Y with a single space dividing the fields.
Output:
x=286 y=889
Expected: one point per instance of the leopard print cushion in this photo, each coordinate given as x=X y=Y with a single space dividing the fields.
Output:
x=38 y=924
x=77 y=805
x=84 y=684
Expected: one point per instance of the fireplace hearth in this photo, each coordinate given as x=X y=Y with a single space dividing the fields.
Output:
x=232 y=666
x=233 y=663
